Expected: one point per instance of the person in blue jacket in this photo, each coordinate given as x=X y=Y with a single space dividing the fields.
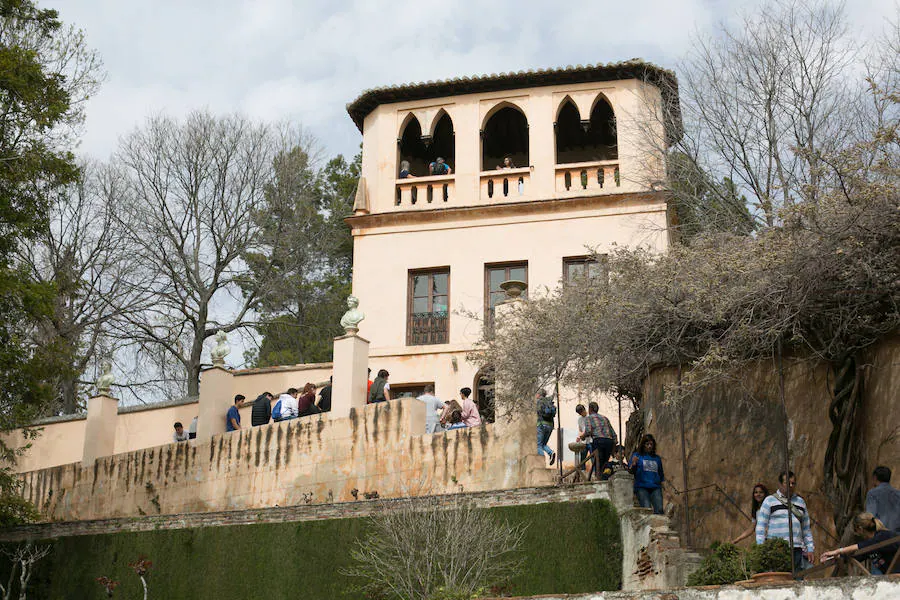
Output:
x=648 y=475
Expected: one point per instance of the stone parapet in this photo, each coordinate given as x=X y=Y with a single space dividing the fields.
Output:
x=378 y=449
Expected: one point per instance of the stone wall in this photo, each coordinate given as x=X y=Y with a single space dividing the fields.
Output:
x=734 y=439
x=857 y=588
x=309 y=460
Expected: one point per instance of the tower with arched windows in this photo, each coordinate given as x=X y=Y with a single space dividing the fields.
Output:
x=542 y=169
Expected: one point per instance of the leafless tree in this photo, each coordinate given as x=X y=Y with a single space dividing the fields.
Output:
x=85 y=255
x=422 y=547
x=23 y=558
x=761 y=102
x=187 y=208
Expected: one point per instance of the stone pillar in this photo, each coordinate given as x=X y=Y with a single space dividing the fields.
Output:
x=100 y=428
x=216 y=397
x=351 y=360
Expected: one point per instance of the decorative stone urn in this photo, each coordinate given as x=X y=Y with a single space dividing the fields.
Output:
x=513 y=289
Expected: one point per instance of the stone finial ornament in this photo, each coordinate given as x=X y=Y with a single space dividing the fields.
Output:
x=220 y=350
x=351 y=319
x=106 y=379
x=513 y=289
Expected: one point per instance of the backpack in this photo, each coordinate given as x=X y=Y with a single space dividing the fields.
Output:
x=439 y=169
x=276 y=412
x=547 y=412
x=376 y=394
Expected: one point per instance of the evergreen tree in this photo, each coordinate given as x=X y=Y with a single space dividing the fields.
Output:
x=310 y=250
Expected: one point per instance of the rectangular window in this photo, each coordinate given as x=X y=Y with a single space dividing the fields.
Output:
x=494 y=275
x=579 y=267
x=428 y=307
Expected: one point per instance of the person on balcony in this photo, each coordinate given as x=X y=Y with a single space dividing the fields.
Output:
x=261 y=413
x=647 y=467
x=450 y=406
x=404 y=170
x=456 y=421
x=287 y=407
x=603 y=436
x=507 y=163
x=381 y=389
x=433 y=409
x=306 y=403
x=324 y=403
x=469 y=410
x=772 y=520
x=180 y=434
x=439 y=167
x=546 y=412
x=872 y=531
x=882 y=500
x=760 y=493
x=233 y=416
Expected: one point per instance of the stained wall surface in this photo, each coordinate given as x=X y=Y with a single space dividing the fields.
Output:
x=312 y=459
x=734 y=439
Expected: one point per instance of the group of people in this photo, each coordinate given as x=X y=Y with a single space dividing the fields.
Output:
x=451 y=414
x=604 y=452
x=775 y=515
x=440 y=167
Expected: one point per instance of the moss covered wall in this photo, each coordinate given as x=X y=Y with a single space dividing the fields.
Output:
x=569 y=547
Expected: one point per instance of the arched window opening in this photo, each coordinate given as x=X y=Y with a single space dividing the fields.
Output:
x=505 y=134
x=412 y=149
x=443 y=143
x=420 y=152
x=591 y=140
x=484 y=394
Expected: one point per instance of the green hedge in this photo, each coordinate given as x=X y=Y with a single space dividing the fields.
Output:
x=569 y=547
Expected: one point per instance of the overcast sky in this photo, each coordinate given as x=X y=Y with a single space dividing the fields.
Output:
x=305 y=60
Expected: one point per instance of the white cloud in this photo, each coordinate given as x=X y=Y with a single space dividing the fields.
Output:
x=278 y=59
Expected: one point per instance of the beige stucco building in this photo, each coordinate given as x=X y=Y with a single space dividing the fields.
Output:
x=430 y=250
x=585 y=146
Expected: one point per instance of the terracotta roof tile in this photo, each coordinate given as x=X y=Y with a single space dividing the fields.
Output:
x=635 y=68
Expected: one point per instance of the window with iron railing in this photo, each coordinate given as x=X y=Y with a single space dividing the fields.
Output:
x=428 y=307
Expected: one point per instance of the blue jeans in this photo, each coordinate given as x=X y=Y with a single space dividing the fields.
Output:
x=650 y=498
x=543 y=434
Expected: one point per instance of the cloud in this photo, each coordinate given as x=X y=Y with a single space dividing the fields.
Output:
x=278 y=59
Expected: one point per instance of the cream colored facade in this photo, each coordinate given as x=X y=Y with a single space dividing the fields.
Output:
x=537 y=214
x=460 y=226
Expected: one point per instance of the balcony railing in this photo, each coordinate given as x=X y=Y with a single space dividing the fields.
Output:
x=576 y=179
x=505 y=184
x=424 y=192
x=427 y=328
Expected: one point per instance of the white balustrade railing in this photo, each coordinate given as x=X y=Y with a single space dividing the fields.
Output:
x=424 y=192
x=505 y=184
x=576 y=179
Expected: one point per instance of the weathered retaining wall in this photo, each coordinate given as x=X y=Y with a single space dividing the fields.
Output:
x=857 y=588
x=734 y=438
x=309 y=460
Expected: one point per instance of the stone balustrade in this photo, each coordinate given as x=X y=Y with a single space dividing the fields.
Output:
x=505 y=184
x=595 y=177
x=424 y=192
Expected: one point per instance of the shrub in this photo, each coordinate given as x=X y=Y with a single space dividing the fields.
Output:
x=772 y=555
x=724 y=564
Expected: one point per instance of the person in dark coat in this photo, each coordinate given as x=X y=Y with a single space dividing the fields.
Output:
x=261 y=413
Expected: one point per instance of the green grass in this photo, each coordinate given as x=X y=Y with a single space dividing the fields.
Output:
x=569 y=547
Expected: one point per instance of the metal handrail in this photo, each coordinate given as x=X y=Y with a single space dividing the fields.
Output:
x=746 y=516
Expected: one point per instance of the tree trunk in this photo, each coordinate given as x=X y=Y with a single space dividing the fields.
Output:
x=845 y=468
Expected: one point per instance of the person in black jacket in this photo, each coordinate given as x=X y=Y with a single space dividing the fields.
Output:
x=261 y=413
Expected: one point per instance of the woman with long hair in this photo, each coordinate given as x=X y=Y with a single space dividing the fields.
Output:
x=760 y=492
x=647 y=467
x=873 y=532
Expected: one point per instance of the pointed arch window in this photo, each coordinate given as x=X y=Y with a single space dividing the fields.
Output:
x=505 y=134
x=587 y=140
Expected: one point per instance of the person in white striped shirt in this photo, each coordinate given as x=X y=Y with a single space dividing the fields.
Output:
x=772 y=521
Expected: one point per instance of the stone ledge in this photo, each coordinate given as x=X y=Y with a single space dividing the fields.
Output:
x=290 y=514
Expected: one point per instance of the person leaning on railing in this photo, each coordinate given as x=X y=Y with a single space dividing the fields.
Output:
x=874 y=533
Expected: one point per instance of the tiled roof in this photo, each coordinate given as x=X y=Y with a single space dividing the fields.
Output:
x=629 y=69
